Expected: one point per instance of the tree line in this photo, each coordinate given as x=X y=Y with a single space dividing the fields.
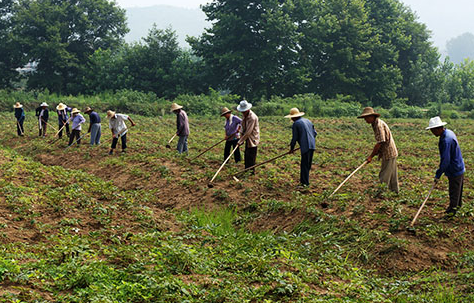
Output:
x=374 y=51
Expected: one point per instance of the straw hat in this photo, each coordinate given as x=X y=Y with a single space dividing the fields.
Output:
x=244 y=106
x=110 y=114
x=368 y=111
x=75 y=111
x=88 y=109
x=61 y=106
x=294 y=113
x=17 y=105
x=44 y=104
x=175 y=106
x=436 y=122
x=224 y=111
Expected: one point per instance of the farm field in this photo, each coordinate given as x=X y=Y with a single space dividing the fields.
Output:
x=78 y=225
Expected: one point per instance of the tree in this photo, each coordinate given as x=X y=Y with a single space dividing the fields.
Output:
x=461 y=48
x=61 y=35
x=252 y=47
x=10 y=55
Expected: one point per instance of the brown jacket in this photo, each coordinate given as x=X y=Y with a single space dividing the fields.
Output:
x=250 y=131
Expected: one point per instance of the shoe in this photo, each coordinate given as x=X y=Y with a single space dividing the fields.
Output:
x=451 y=211
x=111 y=152
x=124 y=151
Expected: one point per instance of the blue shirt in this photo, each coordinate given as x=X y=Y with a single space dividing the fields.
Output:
x=304 y=134
x=63 y=115
x=231 y=126
x=19 y=113
x=77 y=121
x=451 y=163
x=94 y=118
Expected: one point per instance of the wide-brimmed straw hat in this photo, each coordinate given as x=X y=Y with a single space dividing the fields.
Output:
x=224 y=111
x=61 y=106
x=110 y=114
x=75 y=111
x=17 y=105
x=368 y=111
x=88 y=109
x=175 y=106
x=435 y=122
x=294 y=113
x=44 y=104
x=244 y=106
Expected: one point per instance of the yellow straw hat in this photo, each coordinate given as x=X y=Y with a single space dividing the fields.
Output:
x=17 y=105
x=368 y=111
x=75 y=111
x=175 y=106
x=110 y=114
x=61 y=106
x=224 y=111
x=294 y=113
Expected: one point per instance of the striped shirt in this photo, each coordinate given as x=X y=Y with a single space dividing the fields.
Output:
x=388 y=149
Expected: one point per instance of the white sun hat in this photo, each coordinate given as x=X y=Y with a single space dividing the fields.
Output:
x=244 y=106
x=436 y=122
x=44 y=104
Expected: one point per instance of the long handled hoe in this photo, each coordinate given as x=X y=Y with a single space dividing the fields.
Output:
x=19 y=127
x=210 y=185
x=353 y=173
x=207 y=150
x=76 y=141
x=422 y=205
x=169 y=142
x=257 y=165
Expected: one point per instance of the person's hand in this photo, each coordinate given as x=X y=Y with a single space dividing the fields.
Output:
x=226 y=137
x=133 y=124
x=369 y=159
x=292 y=151
x=114 y=136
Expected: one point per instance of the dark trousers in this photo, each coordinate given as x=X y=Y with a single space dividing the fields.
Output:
x=455 y=192
x=19 y=127
x=124 y=142
x=250 y=157
x=61 y=130
x=229 y=146
x=76 y=134
x=42 y=130
x=305 y=166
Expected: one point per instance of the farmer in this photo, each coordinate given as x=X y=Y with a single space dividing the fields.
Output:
x=77 y=121
x=20 y=118
x=43 y=115
x=119 y=129
x=182 y=125
x=63 y=118
x=451 y=163
x=305 y=135
x=232 y=127
x=385 y=149
x=95 y=127
x=250 y=134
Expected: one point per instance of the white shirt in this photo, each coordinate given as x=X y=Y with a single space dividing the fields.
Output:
x=117 y=125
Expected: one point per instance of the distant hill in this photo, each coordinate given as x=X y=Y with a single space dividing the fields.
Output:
x=186 y=22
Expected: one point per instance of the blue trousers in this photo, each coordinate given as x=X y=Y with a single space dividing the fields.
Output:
x=182 y=144
x=95 y=133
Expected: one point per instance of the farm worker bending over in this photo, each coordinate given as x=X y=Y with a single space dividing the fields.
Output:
x=305 y=135
x=119 y=129
x=232 y=127
x=94 y=125
x=451 y=163
x=77 y=120
x=385 y=148
x=20 y=118
x=63 y=117
x=43 y=115
x=182 y=125
x=250 y=134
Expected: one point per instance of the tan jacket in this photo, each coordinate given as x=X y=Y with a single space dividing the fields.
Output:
x=250 y=131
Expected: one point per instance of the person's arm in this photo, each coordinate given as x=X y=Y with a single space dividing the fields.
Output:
x=250 y=127
x=180 y=126
x=131 y=121
x=375 y=151
x=445 y=156
x=90 y=124
x=295 y=137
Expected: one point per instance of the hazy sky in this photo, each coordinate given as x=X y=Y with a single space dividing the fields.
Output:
x=446 y=19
